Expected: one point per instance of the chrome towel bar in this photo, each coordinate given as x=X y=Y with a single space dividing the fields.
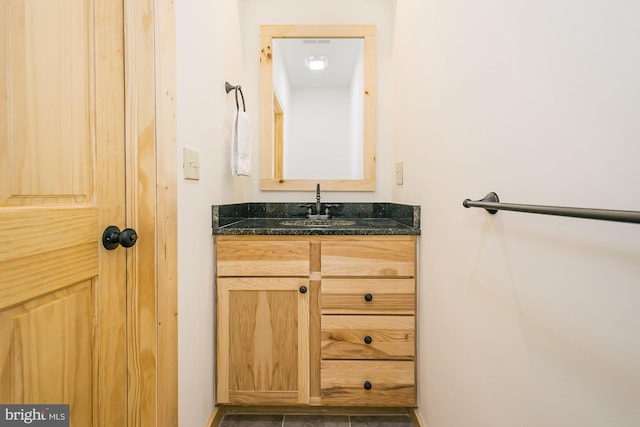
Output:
x=491 y=203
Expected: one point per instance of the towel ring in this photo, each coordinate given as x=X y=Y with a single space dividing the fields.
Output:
x=229 y=87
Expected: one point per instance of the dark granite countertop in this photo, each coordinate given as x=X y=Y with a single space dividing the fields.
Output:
x=352 y=218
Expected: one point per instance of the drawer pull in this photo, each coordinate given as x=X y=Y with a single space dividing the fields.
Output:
x=368 y=340
x=303 y=289
x=367 y=385
x=368 y=297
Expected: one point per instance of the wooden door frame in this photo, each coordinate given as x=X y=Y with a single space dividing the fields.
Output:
x=152 y=314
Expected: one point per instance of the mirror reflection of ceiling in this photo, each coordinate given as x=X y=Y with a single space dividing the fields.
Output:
x=341 y=54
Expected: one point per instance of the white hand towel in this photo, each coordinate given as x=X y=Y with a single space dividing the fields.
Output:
x=241 y=144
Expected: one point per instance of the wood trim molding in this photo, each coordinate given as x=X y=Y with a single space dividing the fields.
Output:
x=216 y=417
x=166 y=214
x=151 y=210
x=140 y=211
x=416 y=418
x=269 y=169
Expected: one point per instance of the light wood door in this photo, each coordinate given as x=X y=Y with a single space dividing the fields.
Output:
x=263 y=341
x=62 y=181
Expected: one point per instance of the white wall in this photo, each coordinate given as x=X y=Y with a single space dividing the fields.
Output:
x=208 y=53
x=525 y=320
x=323 y=12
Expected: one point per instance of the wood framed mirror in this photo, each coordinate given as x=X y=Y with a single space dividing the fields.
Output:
x=317 y=107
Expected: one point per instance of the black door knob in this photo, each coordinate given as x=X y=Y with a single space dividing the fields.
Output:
x=368 y=297
x=303 y=289
x=113 y=237
x=368 y=340
x=367 y=385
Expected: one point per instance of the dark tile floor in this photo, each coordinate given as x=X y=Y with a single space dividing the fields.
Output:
x=271 y=420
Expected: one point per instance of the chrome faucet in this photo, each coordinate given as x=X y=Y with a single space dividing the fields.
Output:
x=319 y=211
x=318 y=204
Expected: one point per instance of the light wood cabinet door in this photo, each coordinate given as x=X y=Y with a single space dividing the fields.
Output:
x=275 y=257
x=369 y=257
x=368 y=383
x=368 y=337
x=368 y=296
x=263 y=341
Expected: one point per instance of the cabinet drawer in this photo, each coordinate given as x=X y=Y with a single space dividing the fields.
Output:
x=391 y=383
x=367 y=296
x=368 y=258
x=262 y=258
x=368 y=337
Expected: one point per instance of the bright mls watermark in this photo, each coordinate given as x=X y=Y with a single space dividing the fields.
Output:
x=34 y=415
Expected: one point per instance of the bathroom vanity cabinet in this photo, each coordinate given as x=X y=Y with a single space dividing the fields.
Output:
x=325 y=320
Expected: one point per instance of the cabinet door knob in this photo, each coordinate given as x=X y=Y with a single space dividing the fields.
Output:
x=367 y=385
x=368 y=297
x=303 y=289
x=368 y=340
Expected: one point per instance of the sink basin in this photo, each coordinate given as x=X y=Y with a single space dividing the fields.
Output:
x=316 y=222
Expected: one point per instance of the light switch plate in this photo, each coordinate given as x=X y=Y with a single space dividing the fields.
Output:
x=399 y=173
x=191 y=164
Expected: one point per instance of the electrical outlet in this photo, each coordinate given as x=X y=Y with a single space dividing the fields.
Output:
x=191 y=164
x=399 y=173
